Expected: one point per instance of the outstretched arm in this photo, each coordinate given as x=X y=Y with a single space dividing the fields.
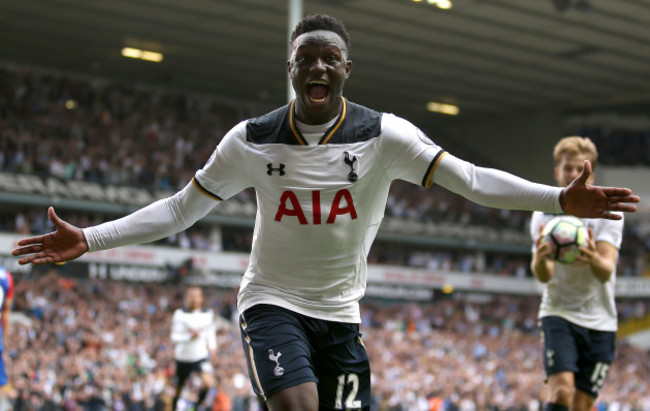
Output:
x=499 y=189
x=155 y=221
x=585 y=200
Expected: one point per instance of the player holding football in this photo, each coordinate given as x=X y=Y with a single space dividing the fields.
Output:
x=321 y=167
x=577 y=313
x=194 y=336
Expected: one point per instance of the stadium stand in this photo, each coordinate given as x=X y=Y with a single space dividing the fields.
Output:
x=80 y=129
x=80 y=342
x=88 y=342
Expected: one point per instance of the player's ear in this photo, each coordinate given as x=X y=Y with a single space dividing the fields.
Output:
x=348 y=68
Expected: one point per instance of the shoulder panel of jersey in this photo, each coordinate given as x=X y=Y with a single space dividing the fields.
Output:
x=356 y=123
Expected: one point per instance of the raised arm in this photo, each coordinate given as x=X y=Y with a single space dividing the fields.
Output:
x=157 y=220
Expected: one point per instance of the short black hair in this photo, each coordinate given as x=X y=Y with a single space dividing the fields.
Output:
x=315 y=22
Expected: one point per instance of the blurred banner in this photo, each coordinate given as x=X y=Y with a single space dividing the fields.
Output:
x=224 y=269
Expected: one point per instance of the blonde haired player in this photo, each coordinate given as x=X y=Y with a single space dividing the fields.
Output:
x=577 y=312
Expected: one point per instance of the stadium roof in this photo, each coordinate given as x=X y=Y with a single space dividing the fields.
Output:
x=486 y=56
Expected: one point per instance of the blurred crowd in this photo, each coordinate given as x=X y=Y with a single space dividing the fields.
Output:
x=100 y=131
x=90 y=345
x=634 y=255
x=90 y=130
x=618 y=145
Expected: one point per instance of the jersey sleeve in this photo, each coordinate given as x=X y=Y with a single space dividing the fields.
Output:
x=225 y=174
x=535 y=220
x=611 y=231
x=407 y=152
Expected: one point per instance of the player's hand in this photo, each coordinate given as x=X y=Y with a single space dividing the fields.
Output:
x=66 y=243
x=195 y=333
x=589 y=254
x=601 y=257
x=587 y=201
x=542 y=248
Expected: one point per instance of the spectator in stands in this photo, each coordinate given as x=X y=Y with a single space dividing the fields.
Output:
x=47 y=358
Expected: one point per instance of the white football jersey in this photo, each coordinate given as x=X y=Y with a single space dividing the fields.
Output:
x=574 y=293
x=318 y=206
x=186 y=348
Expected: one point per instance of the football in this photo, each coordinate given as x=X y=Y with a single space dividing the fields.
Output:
x=564 y=234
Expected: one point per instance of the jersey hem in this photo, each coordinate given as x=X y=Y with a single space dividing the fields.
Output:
x=300 y=310
x=572 y=320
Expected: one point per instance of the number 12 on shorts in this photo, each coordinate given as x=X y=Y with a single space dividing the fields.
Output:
x=350 y=401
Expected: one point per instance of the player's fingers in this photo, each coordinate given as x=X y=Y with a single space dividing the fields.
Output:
x=39 y=258
x=540 y=237
x=543 y=250
x=629 y=208
x=584 y=175
x=24 y=260
x=31 y=249
x=586 y=251
x=618 y=197
x=30 y=240
x=608 y=216
x=43 y=260
x=54 y=218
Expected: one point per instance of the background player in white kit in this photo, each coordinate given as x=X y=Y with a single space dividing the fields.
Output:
x=321 y=168
x=194 y=336
x=577 y=313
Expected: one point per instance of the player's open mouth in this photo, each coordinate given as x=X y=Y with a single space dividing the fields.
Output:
x=317 y=91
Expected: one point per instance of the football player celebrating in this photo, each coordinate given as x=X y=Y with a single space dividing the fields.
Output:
x=577 y=313
x=321 y=167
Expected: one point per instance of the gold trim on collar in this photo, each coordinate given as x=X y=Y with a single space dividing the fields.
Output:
x=295 y=131
x=324 y=140
x=338 y=124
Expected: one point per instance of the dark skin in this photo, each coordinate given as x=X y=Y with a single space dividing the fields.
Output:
x=319 y=62
x=318 y=58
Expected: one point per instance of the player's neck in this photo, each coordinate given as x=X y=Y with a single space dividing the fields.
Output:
x=317 y=117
